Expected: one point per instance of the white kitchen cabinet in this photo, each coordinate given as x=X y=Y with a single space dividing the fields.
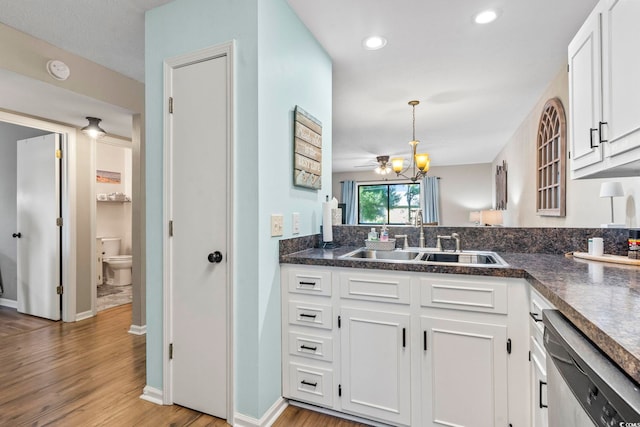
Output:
x=463 y=362
x=376 y=364
x=538 y=357
x=585 y=93
x=357 y=346
x=539 y=411
x=604 y=94
x=308 y=336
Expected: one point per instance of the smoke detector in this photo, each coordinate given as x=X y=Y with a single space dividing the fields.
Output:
x=58 y=70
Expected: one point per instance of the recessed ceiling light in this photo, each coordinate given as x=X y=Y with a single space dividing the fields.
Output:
x=374 y=43
x=485 y=17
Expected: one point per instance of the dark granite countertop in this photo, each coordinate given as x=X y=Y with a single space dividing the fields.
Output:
x=600 y=299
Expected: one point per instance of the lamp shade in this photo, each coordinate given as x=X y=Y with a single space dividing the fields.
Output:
x=397 y=164
x=474 y=216
x=611 y=189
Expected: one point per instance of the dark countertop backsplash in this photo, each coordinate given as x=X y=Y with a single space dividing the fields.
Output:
x=497 y=239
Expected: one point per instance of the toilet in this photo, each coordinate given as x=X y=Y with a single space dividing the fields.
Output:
x=117 y=268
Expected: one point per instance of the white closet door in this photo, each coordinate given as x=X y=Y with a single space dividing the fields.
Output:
x=199 y=243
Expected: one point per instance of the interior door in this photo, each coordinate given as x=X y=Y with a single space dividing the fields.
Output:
x=198 y=270
x=37 y=235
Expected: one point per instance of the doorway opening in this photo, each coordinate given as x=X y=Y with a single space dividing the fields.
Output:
x=113 y=183
x=14 y=128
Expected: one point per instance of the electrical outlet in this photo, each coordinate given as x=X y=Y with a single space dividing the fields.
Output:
x=276 y=225
x=295 y=223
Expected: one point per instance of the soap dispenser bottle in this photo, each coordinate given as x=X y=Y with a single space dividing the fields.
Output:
x=384 y=233
x=373 y=234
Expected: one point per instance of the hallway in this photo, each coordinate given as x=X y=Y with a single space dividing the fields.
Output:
x=91 y=373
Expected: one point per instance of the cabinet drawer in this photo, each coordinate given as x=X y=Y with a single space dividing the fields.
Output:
x=308 y=281
x=311 y=384
x=477 y=294
x=538 y=356
x=311 y=346
x=536 y=305
x=376 y=287
x=314 y=315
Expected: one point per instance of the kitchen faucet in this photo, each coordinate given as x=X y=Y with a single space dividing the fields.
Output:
x=418 y=222
x=454 y=236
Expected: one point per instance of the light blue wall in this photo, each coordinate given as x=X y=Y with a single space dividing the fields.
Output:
x=278 y=65
x=293 y=70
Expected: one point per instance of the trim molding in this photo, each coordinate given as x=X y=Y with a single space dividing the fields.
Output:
x=9 y=303
x=266 y=420
x=152 y=394
x=84 y=315
x=138 y=330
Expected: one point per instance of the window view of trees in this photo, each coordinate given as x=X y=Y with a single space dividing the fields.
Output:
x=388 y=203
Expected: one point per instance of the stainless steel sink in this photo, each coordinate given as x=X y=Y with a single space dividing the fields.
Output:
x=397 y=255
x=475 y=258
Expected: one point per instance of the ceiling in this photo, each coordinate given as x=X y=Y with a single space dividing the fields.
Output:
x=475 y=83
x=107 y=32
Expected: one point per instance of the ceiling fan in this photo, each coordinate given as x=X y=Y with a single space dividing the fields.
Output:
x=382 y=165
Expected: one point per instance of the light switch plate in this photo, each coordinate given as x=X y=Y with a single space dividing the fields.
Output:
x=295 y=223
x=276 y=225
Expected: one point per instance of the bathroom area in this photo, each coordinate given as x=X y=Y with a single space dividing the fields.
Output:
x=113 y=224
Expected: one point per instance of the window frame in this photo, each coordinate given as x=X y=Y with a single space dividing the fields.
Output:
x=551 y=160
x=388 y=184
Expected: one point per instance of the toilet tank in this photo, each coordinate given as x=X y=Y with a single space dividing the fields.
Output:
x=110 y=246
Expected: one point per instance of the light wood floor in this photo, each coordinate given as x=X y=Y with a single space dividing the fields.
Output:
x=91 y=373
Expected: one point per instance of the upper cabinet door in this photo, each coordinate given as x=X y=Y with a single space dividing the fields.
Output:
x=585 y=100
x=621 y=71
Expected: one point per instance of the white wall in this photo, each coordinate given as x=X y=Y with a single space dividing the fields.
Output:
x=463 y=189
x=114 y=219
x=9 y=134
x=584 y=206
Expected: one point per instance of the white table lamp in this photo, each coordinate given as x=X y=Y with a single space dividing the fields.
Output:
x=611 y=190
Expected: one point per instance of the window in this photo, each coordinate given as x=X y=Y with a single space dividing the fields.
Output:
x=388 y=203
x=552 y=152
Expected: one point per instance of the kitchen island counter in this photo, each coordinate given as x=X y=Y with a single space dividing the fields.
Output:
x=600 y=299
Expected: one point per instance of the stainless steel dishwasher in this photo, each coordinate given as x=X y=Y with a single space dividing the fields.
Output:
x=584 y=387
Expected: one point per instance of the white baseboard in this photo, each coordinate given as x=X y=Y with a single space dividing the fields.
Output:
x=138 y=330
x=267 y=419
x=84 y=315
x=151 y=394
x=8 y=303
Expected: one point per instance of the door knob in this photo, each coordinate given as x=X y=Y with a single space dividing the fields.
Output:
x=18 y=235
x=215 y=257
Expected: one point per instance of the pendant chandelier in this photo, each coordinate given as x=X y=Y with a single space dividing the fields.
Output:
x=419 y=165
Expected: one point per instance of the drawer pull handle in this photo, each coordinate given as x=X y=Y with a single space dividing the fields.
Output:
x=304 y=382
x=312 y=316
x=424 y=336
x=535 y=317
x=540 y=388
x=307 y=283
x=404 y=337
x=306 y=347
